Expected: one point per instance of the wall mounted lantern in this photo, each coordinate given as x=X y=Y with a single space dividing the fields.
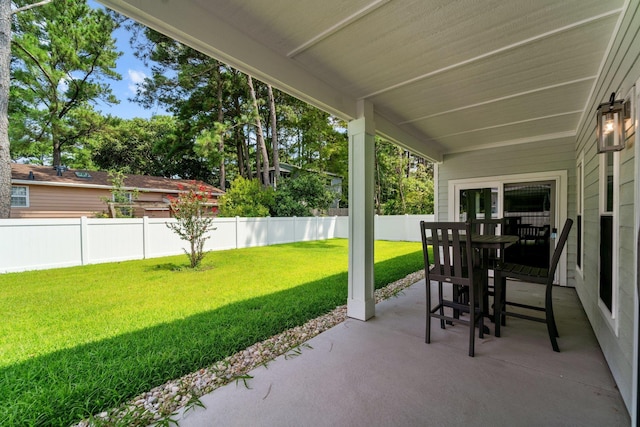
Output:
x=610 y=118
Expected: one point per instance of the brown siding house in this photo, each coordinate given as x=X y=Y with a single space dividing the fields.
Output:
x=46 y=192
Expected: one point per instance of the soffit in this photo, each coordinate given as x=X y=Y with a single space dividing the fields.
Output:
x=443 y=76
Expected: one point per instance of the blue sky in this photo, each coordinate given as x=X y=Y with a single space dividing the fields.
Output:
x=133 y=71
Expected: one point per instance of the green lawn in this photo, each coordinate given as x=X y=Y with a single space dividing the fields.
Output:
x=77 y=341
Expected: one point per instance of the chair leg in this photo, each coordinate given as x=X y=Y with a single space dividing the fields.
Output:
x=549 y=311
x=555 y=326
x=552 y=334
x=551 y=321
x=427 y=335
x=503 y=287
x=472 y=329
x=481 y=307
x=457 y=297
x=441 y=304
x=498 y=301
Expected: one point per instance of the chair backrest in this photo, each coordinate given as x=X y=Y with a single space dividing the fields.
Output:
x=449 y=240
x=487 y=227
x=511 y=224
x=564 y=235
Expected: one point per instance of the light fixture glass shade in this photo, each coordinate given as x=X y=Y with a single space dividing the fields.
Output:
x=610 y=126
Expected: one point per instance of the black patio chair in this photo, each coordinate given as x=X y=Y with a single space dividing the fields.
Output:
x=490 y=257
x=450 y=240
x=543 y=276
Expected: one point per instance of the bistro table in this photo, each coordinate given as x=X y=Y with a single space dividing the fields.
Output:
x=485 y=242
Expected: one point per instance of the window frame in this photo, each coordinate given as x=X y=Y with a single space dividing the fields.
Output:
x=25 y=197
x=580 y=214
x=611 y=316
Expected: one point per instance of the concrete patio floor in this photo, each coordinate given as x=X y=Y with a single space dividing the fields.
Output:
x=381 y=373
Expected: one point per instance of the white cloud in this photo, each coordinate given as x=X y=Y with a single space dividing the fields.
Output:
x=135 y=78
x=63 y=85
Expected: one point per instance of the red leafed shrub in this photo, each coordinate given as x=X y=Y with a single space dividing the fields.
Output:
x=193 y=221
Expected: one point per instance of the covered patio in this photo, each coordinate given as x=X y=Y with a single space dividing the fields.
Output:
x=381 y=372
x=497 y=94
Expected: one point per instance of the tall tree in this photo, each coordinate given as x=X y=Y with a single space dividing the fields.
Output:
x=137 y=146
x=5 y=59
x=274 y=136
x=262 y=145
x=404 y=183
x=5 y=67
x=198 y=90
x=64 y=51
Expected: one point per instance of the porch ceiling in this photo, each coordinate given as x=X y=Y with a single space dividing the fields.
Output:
x=443 y=76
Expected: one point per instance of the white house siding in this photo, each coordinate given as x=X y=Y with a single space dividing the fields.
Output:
x=620 y=72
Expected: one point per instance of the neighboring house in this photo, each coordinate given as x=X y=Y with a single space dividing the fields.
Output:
x=501 y=98
x=47 y=192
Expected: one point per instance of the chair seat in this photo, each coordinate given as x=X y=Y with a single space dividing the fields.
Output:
x=524 y=272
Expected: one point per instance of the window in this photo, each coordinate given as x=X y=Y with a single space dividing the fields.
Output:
x=123 y=201
x=478 y=203
x=579 y=210
x=19 y=196
x=608 y=289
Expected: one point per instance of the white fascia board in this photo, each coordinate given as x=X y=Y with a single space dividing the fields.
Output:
x=187 y=22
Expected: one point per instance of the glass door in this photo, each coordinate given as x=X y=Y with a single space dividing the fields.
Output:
x=537 y=200
x=529 y=213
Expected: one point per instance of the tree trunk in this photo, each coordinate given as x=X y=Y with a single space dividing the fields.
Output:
x=5 y=157
x=239 y=138
x=262 y=146
x=57 y=156
x=259 y=164
x=223 y=175
x=274 y=137
x=400 y=171
x=247 y=159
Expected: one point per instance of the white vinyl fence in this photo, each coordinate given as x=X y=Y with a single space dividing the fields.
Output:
x=33 y=244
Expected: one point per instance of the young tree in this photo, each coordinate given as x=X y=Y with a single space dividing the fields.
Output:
x=120 y=204
x=193 y=222
x=63 y=53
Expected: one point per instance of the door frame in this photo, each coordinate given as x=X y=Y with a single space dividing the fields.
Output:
x=561 y=184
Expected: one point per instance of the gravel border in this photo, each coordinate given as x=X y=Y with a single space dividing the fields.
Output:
x=163 y=401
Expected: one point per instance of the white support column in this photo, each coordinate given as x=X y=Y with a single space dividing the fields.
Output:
x=361 y=301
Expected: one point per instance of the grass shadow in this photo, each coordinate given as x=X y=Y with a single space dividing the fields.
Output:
x=168 y=266
x=69 y=385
